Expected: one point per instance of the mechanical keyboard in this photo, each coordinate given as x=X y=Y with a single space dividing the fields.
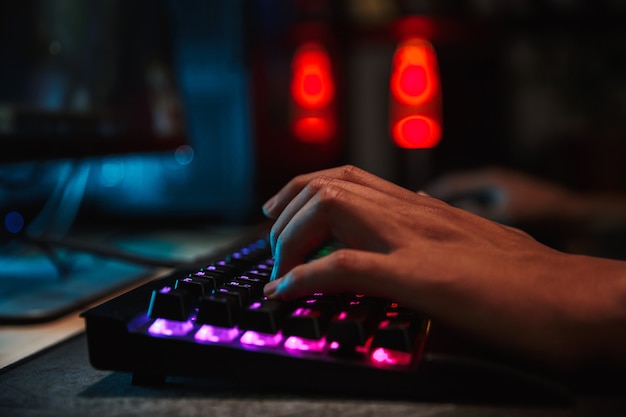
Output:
x=209 y=319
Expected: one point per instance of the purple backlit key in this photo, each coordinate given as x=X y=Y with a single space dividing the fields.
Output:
x=172 y=304
x=196 y=285
x=219 y=309
x=264 y=316
x=309 y=319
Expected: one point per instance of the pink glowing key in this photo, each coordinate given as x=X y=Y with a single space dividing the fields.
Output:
x=390 y=357
x=300 y=343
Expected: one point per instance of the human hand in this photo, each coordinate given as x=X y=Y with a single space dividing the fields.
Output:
x=491 y=281
x=504 y=195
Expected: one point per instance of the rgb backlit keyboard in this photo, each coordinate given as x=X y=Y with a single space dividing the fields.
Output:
x=210 y=320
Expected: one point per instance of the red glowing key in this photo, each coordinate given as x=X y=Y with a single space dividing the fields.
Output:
x=384 y=356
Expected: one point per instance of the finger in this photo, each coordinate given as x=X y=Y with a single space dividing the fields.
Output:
x=286 y=203
x=276 y=204
x=319 y=183
x=343 y=270
x=297 y=203
x=349 y=213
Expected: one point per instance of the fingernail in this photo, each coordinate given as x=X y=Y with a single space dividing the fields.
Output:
x=267 y=207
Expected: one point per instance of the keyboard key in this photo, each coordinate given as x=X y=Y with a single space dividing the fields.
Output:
x=245 y=291
x=264 y=316
x=172 y=304
x=309 y=319
x=226 y=269
x=398 y=332
x=261 y=274
x=254 y=284
x=196 y=286
x=219 y=309
x=352 y=327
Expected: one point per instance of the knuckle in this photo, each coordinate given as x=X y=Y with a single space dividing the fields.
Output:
x=319 y=183
x=327 y=191
x=329 y=196
x=299 y=180
x=351 y=171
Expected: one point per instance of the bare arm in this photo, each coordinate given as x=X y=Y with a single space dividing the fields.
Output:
x=492 y=281
x=516 y=198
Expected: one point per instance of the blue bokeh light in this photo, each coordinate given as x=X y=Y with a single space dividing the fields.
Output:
x=14 y=222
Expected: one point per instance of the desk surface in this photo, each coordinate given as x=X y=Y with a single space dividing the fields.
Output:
x=45 y=371
x=60 y=382
x=17 y=342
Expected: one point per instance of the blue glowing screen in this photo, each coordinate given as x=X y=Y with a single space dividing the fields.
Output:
x=202 y=79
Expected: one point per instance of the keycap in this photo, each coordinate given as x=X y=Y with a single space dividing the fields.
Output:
x=196 y=286
x=397 y=332
x=254 y=284
x=244 y=289
x=352 y=327
x=309 y=319
x=264 y=316
x=221 y=269
x=170 y=303
x=219 y=309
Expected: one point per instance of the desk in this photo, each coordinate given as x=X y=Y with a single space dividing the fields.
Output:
x=17 y=342
x=45 y=371
x=59 y=381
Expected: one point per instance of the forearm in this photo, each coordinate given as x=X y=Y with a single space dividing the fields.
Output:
x=576 y=321
x=603 y=310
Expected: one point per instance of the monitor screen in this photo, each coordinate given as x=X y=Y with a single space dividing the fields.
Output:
x=139 y=109
x=86 y=78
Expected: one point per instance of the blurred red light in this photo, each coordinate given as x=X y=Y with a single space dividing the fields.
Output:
x=415 y=95
x=312 y=94
x=416 y=132
x=312 y=82
x=313 y=129
x=414 y=76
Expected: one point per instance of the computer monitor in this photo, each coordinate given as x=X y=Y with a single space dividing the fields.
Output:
x=87 y=78
x=112 y=113
x=150 y=94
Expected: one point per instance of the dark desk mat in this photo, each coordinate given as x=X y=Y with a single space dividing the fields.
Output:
x=61 y=382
